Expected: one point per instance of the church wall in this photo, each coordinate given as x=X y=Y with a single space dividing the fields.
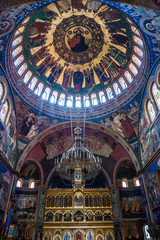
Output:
x=149 y=126
x=5 y=185
x=8 y=124
x=153 y=187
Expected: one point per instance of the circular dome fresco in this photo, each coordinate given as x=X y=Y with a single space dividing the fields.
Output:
x=77 y=56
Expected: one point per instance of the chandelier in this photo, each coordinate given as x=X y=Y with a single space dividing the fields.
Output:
x=78 y=163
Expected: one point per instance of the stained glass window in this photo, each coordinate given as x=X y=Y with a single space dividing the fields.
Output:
x=17 y=41
x=39 y=89
x=138 y=41
x=32 y=83
x=124 y=183
x=18 y=60
x=102 y=97
x=27 y=77
x=22 y=69
x=138 y=51
x=136 y=182
x=78 y=102
x=17 y=51
x=136 y=60
x=86 y=101
x=94 y=99
x=19 y=183
x=134 y=29
x=109 y=93
x=32 y=184
x=123 y=83
x=70 y=101
x=128 y=76
x=4 y=111
x=151 y=110
x=19 y=30
x=61 y=99
x=156 y=95
x=116 y=88
x=133 y=69
x=46 y=93
x=53 y=98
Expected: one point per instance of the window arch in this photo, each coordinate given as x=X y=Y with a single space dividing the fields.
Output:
x=151 y=110
x=109 y=93
x=70 y=101
x=61 y=99
x=27 y=77
x=102 y=97
x=33 y=83
x=19 y=183
x=22 y=69
x=32 y=184
x=123 y=83
x=46 y=93
x=78 y=102
x=19 y=60
x=39 y=89
x=136 y=182
x=156 y=95
x=138 y=51
x=136 y=60
x=94 y=99
x=116 y=88
x=17 y=51
x=4 y=111
x=133 y=69
x=53 y=98
x=128 y=76
x=86 y=101
x=124 y=183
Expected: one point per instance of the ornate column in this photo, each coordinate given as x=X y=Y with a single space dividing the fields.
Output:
x=117 y=213
x=40 y=212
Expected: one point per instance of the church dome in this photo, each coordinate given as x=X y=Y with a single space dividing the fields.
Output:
x=88 y=57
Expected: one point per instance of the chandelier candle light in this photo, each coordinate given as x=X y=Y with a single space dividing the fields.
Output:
x=78 y=165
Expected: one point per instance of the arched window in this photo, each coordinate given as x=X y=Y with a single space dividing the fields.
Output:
x=53 y=98
x=70 y=101
x=17 y=51
x=151 y=110
x=94 y=99
x=123 y=83
x=61 y=99
x=156 y=95
x=27 y=77
x=78 y=102
x=134 y=30
x=4 y=111
x=33 y=83
x=19 y=30
x=22 y=69
x=138 y=41
x=32 y=184
x=19 y=60
x=133 y=69
x=138 y=51
x=136 y=60
x=136 y=182
x=19 y=183
x=109 y=93
x=124 y=183
x=1 y=91
x=86 y=101
x=128 y=76
x=116 y=89
x=17 y=41
x=39 y=89
x=46 y=93
x=102 y=97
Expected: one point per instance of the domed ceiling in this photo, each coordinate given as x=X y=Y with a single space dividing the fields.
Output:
x=76 y=56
